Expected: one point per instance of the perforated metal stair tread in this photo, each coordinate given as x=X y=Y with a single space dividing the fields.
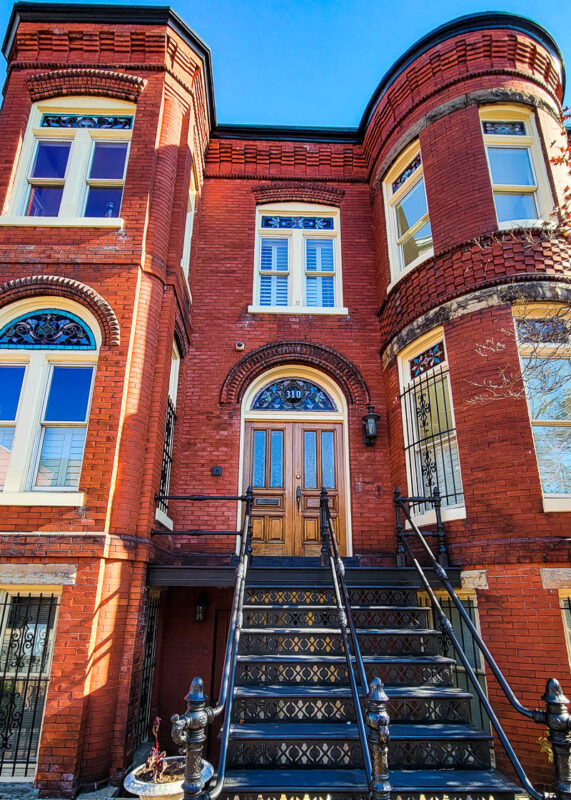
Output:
x=336 y=631
x=296 y=780
x=301 y=731
x=337 y=780
x=317 y=690
x=326 y=659
x=328 y=607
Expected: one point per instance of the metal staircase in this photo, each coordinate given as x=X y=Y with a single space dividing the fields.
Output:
x=293 y=732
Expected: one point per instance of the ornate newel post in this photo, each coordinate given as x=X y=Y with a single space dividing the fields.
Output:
x=324 y=527
x=377 y=719
x=437 y=505
x=559 y=723
x=189 y=732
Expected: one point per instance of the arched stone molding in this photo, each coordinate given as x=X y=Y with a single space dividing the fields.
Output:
x=59 y=286
x=80 y=81
x=295 y=352
x=297 y=192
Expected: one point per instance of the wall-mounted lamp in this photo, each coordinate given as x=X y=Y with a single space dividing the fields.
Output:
x=201 y=606
x=370 y=421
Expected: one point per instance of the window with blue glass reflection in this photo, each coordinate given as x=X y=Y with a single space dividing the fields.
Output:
x=11 y=379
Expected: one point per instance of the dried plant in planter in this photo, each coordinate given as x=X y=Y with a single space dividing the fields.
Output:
x=156 y=762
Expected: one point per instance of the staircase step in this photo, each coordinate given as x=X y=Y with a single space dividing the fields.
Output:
x=336 y=784
x=288 y=615
x=318 y=703
x=297 y=594
x=303 y=745
x=294 y=668
x=323 y=641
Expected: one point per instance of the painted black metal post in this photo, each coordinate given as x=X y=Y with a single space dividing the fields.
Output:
x=437 y=503
x=400 y=553
x=189 y=732
x=377 y=719
x=324 y=527
x=558 y=722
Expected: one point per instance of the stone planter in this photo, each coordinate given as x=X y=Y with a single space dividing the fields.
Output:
x=170 y=789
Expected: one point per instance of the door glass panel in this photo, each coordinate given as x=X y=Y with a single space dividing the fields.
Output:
x=277 y=459
x=327 y=459
x=309 y=460
x=259 y=469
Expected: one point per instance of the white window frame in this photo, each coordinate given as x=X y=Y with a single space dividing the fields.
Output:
x=174 y=374
x=398 y=270
x=296 y=257
x=457 y=511
x=540 y=190
x=188 y=228
x=19 y=485
x=559 y=501
x=76 y=182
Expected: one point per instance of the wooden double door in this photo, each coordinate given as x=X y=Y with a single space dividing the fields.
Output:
x=287 y=463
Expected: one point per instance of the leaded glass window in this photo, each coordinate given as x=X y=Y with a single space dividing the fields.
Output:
x=297 y=263
x=408 y=217
x=293 y=394
x=48 y=329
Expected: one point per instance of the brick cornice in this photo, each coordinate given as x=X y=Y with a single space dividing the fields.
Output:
x=84 y=81
x=295 y=352
x=59 y=286
x=298 y=192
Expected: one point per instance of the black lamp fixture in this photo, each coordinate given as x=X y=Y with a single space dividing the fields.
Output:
x=201 y=606
x=370 y=421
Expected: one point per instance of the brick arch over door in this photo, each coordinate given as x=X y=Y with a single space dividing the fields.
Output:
x=294 y=352
x=58 y=286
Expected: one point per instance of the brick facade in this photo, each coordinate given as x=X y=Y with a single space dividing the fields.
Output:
x=130 y=279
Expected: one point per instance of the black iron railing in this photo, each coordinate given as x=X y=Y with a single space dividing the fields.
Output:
x=555 y=716
x=374 y=744
x=189 y=729
x=27 y=627
x=149 y=650
x=166 y=465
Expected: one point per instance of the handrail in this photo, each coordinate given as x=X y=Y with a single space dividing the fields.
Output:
x=553 y=696
x=188 y=730
x=330 y=554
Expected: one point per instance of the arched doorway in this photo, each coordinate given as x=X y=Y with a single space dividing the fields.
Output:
x=293 y=443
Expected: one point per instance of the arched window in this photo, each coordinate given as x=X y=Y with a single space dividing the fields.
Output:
x=47 y=365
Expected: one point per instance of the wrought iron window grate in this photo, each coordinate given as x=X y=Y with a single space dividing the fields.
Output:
x=27 y=628
x=167 y=455
x=430 y=442
x=149 y=651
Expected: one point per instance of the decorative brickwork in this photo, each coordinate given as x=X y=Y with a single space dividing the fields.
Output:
x=55 y=285
x=272 y=355
x=92 y=82
x=298 y=193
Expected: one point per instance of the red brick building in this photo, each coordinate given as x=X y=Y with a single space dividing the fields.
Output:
x=252 y=291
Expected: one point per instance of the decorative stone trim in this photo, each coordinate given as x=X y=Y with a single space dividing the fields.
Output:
x=316 y=355
x=298 y=193
x=57 y=285
x=556 y=578
x=95 y=82
x=38 y=574
x=474 y=579
x=515 y=289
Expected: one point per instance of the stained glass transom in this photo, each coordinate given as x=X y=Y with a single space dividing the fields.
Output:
x=311 y=223
x=293 y=394
x=48 y=330
x=86 y=121
x=504 y=128
x=406 y=173
x=427 y=360
x=544 y=331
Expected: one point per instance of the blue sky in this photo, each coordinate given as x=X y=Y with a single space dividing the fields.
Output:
x=317 y=62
